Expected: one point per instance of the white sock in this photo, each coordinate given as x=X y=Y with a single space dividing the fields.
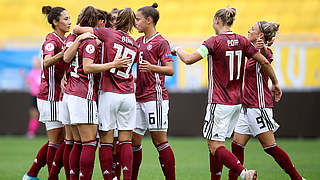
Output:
x=243 y=174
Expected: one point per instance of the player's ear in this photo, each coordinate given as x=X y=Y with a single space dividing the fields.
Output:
x=149 y=20
x=55 y=22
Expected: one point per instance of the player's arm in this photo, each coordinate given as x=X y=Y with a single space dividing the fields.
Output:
x=262 y=47
x=50 y=60
x=72 y=50
x=167 y=69
x=80 y=30
x=276 y=91
x=190 y=58
x=90 y=67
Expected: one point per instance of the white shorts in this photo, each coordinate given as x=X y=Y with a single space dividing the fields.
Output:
x=254 y=121
x=64 y=110
x=49 y=110
x=81 y=110
x=152 y=115
x=53 y=125
x=220 y=121
x=116 y=111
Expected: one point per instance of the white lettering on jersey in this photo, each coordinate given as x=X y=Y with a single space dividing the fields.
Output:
x=126 y=40
x=233 y=42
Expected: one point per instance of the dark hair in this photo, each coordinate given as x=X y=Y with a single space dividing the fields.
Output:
x=88 y=17
x=269 y=30
x=105 y=16
x=126 y=20
x=227 y=15
x=150 y=11
x=52 y=13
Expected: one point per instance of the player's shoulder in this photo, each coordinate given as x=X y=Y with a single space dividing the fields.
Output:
x=71 y=37
x=140 y=39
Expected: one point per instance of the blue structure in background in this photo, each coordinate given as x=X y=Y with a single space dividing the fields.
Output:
x=16 y=63
x=14 y=66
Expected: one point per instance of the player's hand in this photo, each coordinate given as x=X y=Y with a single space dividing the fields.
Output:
x=63 y=84
x=121 y=62
x=259 y=43
x=75 y=28
x=145 y=66
x=86 y=35
x=276 y=92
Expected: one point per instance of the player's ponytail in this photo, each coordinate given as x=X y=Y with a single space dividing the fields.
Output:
x=270 y=30
x=151 y=11
x=52 y=13
x=126 y=20
x=227 y=15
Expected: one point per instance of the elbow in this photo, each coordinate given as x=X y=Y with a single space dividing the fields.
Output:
x=65 y=58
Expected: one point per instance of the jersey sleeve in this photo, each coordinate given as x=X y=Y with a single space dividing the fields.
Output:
x=49 y=47
x=269 y=55
x=89 y=49
x=101 y=33
x=69 y=41
x=165 y=52
x=250 y=50
x=209 y=44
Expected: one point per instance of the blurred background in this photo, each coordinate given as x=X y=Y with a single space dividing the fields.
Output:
x=186 y=23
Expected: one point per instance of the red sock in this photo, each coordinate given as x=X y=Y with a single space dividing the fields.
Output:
x=137 y=158
x=57 y=163
x=238 y=151
x=74 y=160
x=39 y=162
x=126 y=158
x=87 y=159
x=283 y=160
x=215 y=168
x=229 y=160
x=105 y=157
x=52 y=149
x=117 y=167
x=167 y=161
x=66 y=154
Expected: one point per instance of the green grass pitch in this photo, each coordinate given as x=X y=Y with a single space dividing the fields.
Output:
x=192 y=162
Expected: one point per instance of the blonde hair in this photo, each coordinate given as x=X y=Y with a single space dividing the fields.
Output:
x=227 y=15
x=269 y=29
x=126 y=20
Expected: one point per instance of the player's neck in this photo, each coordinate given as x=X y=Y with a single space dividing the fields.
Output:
x=59 y=33
x=150 y=33
x=224 y=29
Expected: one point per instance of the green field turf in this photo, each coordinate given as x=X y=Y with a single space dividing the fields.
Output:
x=192 y=163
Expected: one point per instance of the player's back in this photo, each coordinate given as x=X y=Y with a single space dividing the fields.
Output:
x=226 y=61
x=116 y=44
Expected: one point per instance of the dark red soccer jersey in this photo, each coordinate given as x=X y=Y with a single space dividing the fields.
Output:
x=226 y=60
x=117 y=43
x=81 y=84
x=256 y=93
x=150 y=85
x=51 y=77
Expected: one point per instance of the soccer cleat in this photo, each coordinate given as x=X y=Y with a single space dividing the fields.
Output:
x=251 y=175
x=27 y=177
x=303 y=178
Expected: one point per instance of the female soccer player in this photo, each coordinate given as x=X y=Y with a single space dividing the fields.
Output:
x=256 y=117
x=155 y=62
x=48 y=97
x=117 y=105
x=226 y=56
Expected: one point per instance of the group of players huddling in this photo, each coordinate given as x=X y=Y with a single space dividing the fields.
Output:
x=87 y=95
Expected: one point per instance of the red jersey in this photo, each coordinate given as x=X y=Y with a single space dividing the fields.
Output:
x=117 y=43
x=69 y=41
x=226 y=59
x=51 y=77
x=256 y=93
x=81 y=84
x=150 y=85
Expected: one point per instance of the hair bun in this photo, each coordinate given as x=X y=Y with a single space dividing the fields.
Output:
x=46 y=9
x=154 y=5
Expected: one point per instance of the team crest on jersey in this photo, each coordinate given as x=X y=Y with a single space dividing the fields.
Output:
x=149 y=47
x=69 y=44
x=90 y=49
x=49 y=47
